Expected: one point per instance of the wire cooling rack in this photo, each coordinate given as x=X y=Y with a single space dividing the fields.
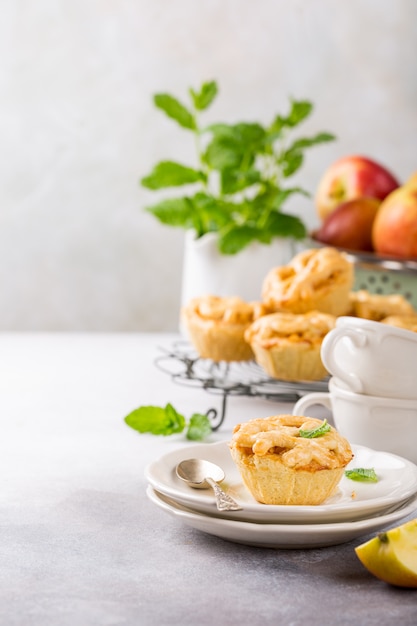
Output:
x=239 y=378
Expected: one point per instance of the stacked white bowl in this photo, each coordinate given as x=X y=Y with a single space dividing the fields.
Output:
x=373 y=390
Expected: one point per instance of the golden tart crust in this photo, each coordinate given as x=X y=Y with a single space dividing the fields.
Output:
x=378 y=306
x=317 y=279
x=288 y=345
x=278 y=466
x=216 y=326
x=407 y=322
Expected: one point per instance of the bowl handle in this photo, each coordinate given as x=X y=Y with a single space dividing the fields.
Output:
x=319 y=397
x=358 y=339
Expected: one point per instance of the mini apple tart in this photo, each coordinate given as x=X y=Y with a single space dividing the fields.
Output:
x=216 y=326
x=407 y=322
x=376 y=307
x=288 y=346
x=317 y=279
x=290 y=459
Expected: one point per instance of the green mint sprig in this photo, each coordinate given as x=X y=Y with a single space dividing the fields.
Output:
x=167 y=421
x=316 y=432
x=362 y=474
x=238 y=186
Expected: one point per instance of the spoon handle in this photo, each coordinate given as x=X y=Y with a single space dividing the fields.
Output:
x=223 y=501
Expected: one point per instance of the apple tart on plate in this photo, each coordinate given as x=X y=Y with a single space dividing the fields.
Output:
x=280 y=463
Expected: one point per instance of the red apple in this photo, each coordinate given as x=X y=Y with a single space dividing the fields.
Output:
x=350 y=224
x=394 y=232
x=352 y=177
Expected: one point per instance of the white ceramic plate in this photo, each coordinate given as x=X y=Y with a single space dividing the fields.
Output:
x=352 y=501
x=280 y=535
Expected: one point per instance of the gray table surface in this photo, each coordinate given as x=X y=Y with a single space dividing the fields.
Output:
x=80 y=542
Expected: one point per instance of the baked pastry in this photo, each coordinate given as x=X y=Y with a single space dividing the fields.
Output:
x=288 y=346
x=216 y=326
x=280 y=466
x=407 y=322
x=318 y=279
x=377 y=306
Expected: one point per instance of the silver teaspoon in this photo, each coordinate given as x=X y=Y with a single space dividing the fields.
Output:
x=201 y=474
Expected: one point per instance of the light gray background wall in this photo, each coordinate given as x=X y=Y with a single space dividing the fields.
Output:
x=78 y=129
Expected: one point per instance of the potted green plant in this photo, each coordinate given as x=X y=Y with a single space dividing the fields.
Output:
x=235 y=191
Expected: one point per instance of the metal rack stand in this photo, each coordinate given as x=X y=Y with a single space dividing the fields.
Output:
x=239 y=378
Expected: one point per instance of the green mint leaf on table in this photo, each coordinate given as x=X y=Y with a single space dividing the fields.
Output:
x=175 y=110
x=316 y=432
x=240 y=173
x=156 y=420
x=205 y=96
x=199 y=427
x=165 y=421
x=171 y=174
x=362 y=474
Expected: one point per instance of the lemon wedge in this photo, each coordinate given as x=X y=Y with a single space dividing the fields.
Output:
x=392 y=555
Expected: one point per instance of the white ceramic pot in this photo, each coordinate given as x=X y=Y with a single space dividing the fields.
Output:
x=206 y=271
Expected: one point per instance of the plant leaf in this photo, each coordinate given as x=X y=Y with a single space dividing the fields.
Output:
x=312 y=141
x=268 y=198
x=234 y=180
x=156 y=420
x=290 y=162
x=205 y=96
x=176 y=420
x=315 y=432
x=223 y=152
x=300 y=109
x=234 y=146
x=250 y=134
x=174 y=212
x=175 y=110
x=362 y=474
x=213 y=213
x=236 y=238
x=284 y=225
x=292 y=159
x=171 y=174
x=199 y=427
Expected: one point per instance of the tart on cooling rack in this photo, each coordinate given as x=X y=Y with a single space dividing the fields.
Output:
x=407 y=322
x=288 y=345
x=317 y=279
x=216 y=326
x=279 y=464
x=378 y=306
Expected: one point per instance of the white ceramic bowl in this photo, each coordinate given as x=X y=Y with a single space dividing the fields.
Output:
x=372 y=358
x=386 y=424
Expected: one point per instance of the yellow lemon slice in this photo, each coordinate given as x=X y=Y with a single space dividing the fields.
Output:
x=392 y=555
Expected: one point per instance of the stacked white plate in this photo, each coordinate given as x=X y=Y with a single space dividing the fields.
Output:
x=356 y=509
